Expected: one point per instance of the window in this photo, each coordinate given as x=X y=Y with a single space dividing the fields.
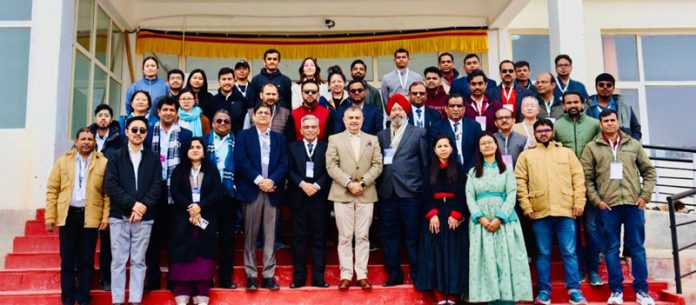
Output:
x=533 y=49
x=167 y=62
x=658 y=85
x=14 y=60
x=97 y=65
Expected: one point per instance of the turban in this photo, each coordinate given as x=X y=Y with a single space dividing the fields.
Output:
x=398 y=99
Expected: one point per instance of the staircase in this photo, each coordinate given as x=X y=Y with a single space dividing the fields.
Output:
x=32 y=276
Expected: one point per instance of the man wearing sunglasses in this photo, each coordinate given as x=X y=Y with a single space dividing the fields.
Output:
x=508 y=92
x=134 y=184
x=606 y=99
x=310 y=105
x=419 y=114
x=372 y=117
x=551 y=192
x=462 y=131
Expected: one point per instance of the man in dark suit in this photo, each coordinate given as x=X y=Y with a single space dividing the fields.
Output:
x=261 y=163
x=133 y=183
x=405 y=152
x=463 y=132
x=508 y=92
x=308 y=190
x=420 y=115
x=460 y=85
x=373 y=120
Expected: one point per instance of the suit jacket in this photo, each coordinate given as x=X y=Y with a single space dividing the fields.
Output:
x=120 y=182
x=297 y=169
x=247 y=161
x=470 y=133
x=493 y=94
x=461 y=86
x=406 y=175
x=515 y=144
x=430 y=115
x=342 y=166
x=372 y=118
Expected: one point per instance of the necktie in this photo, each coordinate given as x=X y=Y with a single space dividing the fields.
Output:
x=310 y=147
x=456 y=130
x=419 y=120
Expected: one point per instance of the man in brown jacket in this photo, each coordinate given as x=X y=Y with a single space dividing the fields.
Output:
x=76 y=202
x=354 y=161
x=551 y=192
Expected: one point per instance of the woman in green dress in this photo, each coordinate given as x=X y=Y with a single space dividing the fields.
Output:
x=498 y=266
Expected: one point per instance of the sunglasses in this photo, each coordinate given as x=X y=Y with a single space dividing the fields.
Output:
x=507 y=71
x=455 y=106
x=136 y=130
x=541 y=131
x=356 y=91
x=309 y=91
x=605 y=85
x=222 y=122
x=417 y=93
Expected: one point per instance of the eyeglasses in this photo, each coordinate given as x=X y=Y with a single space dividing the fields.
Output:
x=136 y=130
x=175 y=78
x=186 y=99
x=507 y=71
x=563 y=65
x=605 y=85
x=417 y=93
x=455 y=106
x=222 y=122
x=503 y=118
x=309 y=91
x=542 y=131
x=356 y=91
x=432 y=78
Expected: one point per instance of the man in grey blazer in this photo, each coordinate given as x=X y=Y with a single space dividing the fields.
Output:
x=511 y=143
x=405 y=152
x=354 y=161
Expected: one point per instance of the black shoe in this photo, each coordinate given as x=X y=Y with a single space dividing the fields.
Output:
x=294 y=285
x=251 y=283
x=320 y=284
x=104 y=285
x=269 y=283
x=230 y=285
x=393 y=282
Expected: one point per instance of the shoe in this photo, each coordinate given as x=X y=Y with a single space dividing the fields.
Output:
x=393 y=282
x=104 y=285
x=595 y=280
x=269 y=283
x=230 y=285
x=576 y=297
x=364 y=284
x=294 y=285
x=251 y=284
x=280 y=245
x=344 y=285
x=616 y=298
x=182 y=300
x=644 y=298
x=543 y=298
x=320 y=284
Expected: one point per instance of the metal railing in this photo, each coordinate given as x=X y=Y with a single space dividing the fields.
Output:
x=673 y=225
x=676 y=171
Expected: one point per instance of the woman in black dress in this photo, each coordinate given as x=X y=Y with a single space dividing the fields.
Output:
x=444 y=248
x=192 y=244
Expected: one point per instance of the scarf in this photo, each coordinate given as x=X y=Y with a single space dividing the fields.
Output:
x=228 y=171
x=398 y=133
x=172 y=153
x=194 y=119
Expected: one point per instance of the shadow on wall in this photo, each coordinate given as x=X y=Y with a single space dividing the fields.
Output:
x=12 y=225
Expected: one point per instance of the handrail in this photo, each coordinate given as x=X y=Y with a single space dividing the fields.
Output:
x=675 y=241
x=668 y=148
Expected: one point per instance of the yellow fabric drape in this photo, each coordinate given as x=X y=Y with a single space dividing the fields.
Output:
x=355 y=45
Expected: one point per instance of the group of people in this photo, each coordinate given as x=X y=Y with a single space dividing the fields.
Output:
x=474 y=178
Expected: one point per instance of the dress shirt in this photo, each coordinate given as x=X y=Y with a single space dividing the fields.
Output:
x=135 y=157
x=79 y=192
x=221 y=151
x=165 y=136
x=101 y=140
x=265 y=148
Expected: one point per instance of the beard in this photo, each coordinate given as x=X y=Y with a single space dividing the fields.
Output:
x=358 y=77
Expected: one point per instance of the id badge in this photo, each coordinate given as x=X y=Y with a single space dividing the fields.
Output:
x=309 y=173
x=482 y=121
x=388 y=156
x=204 y=224
x=616 y=171
x=265 y=160
x=552 y=119
x=507 y=159
x=196 y=194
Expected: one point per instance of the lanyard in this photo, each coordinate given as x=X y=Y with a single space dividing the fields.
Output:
x=82 y=168
x=615 y=147
x=310 y=153
x=403 y=80
x=246 y=88
x=506 y=144
x=475 y=106
x=507 y=94
x=548 y=107
x=560 y=85
x=194 y=175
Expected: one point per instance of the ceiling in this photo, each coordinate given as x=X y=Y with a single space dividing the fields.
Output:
x=303 y=16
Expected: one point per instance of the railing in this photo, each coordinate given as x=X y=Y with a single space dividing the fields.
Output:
x=676 y=172
x=673 y=225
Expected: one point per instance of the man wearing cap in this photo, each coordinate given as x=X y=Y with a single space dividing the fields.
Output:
x=405 y=159
x=241 y=84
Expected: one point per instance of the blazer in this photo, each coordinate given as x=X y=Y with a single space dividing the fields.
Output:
x=372 y=118
x=515 y=142
x=405 y=176
x=342 y=166
x=247 y=161
x=120 y=182
x=470 y=133
x=430 y=115
x=297 y=169
x=183 y=246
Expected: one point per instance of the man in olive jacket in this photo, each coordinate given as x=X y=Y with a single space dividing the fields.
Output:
x=77 y=203
x=551 y=192
x=614 y=164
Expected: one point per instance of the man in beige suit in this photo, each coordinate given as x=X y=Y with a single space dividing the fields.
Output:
x=354 y=161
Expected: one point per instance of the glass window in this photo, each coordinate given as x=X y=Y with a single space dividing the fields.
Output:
x=344 y=63
x=533 y=49
x=114 y=95
x=211 y=66
x=99 y=85
x=167 y=62
x=80 y=94
x=14 y=62
x=630 y=96
x=15 y=10
x=85 y=20
x=116 y=63
x=669 y=109
x=621 y=56
x=102 y=39
x=667 y=57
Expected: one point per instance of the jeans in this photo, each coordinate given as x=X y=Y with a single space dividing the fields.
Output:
x=633 y=220
x=564 y=229
x=588 y=254
x=77 y=245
